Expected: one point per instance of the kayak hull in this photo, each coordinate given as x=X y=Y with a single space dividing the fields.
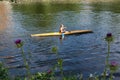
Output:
x=59 y=34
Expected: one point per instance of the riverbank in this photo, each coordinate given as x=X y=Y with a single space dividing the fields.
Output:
x=60 y=1
x=46 y=1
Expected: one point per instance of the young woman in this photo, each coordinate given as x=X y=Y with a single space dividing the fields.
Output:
x=62 y=29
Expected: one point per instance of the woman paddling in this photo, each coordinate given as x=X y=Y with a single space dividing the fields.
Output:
x=62 y=29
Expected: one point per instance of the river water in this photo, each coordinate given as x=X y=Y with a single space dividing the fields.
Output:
x=82 y=53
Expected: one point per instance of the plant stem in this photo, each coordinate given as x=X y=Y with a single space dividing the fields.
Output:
x=108 y=48
x=26 y=63
x=107 y=60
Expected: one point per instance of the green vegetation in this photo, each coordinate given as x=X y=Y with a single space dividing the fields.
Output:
x=3 y=72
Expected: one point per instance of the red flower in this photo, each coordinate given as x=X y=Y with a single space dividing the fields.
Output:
x=18 y=41
x=49 y=71
x=113 y=63
x=113 y=66
x=109 y=35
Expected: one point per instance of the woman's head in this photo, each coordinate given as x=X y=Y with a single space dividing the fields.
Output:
x=61 y=25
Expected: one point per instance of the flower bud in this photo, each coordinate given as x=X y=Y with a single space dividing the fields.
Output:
x=19 y=43
x=109 y=34
x=113 y=66
x=109 y=37
x=49 y=71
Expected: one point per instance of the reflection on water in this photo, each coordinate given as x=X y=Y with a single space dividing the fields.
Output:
x=112 y=6
x=4 y=15
x=80 y=53
x=44 y=13
x=5 y=11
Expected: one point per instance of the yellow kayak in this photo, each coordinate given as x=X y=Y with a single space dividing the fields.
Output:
x=58 y=34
